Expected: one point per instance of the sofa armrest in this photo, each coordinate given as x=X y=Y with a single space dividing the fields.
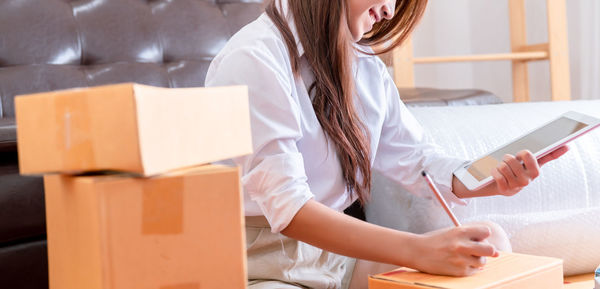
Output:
x=425 y=96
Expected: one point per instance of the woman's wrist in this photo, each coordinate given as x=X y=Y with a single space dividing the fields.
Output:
x=409 y=251
x=461 y=191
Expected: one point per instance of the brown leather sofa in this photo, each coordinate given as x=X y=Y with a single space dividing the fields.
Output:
x=56 y=44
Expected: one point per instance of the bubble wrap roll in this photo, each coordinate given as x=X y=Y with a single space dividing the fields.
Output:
x=557 y=215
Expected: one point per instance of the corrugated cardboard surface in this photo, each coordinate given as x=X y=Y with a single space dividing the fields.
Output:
x=131 y=128
x=182 y=231
x=508 y=271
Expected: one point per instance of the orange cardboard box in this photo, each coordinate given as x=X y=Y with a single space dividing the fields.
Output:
x=509 y=271
x=179 y=231
x=131 y=127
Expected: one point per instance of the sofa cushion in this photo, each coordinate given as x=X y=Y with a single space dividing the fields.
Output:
x=24 y=266
x=22 y=202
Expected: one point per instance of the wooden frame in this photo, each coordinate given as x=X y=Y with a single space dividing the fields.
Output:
x=556 y=51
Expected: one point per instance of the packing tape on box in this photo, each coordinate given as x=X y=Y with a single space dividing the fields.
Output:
x=162 y=208
x=73 y=114
x=558 y=214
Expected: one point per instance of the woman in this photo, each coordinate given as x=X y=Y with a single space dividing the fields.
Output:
x=324 y=114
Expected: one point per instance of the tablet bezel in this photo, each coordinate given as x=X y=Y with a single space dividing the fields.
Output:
x=473 y=184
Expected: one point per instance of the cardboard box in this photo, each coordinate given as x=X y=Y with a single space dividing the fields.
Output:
x=179 y=231
x=131 y=128
x=509 y=271
x=581 y=281
x=597 y=278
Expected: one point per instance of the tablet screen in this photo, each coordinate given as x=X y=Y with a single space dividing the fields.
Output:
x=534 y=142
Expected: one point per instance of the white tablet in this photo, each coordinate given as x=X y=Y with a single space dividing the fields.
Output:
x=540 y=142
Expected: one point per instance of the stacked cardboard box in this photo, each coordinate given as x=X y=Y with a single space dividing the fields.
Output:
x=130 y=200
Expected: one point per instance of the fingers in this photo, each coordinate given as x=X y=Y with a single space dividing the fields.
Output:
x=457 y=251
x=531 y=166
x=514 y=171
x=477 y=245
x=504 y=176
x=560 y=151
x=554 y=155
x=479 y=249
x=462 y=271
x=476 y=233
x=475 y=249
x=501 y=181
x=470 y=266
x=478 y=262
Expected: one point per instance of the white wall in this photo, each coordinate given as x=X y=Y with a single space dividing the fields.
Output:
x=481 y=26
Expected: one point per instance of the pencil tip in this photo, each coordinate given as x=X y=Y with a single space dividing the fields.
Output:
x=423 y=173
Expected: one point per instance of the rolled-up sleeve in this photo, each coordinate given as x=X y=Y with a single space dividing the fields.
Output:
x=404 y=151
x=273 y=176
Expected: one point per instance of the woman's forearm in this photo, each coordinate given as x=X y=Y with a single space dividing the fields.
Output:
x=325 y=228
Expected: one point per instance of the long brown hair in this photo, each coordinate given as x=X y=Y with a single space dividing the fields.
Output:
x=324 y=34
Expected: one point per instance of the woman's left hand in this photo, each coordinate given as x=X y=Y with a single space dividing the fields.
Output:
x=516 y=172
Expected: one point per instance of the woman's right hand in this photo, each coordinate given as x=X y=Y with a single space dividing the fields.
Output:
x=456 y=251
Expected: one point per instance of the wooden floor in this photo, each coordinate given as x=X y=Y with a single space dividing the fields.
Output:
x=584 y=281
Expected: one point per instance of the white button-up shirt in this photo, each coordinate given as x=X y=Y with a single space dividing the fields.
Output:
x=292 y=160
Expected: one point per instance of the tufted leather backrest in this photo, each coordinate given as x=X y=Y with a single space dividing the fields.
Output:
x=56 y=44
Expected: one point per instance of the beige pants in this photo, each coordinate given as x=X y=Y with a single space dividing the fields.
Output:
x=276 y=261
